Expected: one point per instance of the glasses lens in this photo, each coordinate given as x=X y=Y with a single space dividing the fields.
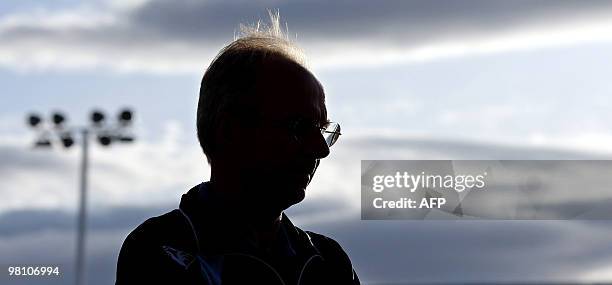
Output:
x=331 y=133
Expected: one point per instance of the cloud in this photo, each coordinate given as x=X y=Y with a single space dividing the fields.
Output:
x=381 y=251
x=464 y=251
x=123 y=174
x=158 y=172
x=182 y=36
x=32 y=221
x=132 y=183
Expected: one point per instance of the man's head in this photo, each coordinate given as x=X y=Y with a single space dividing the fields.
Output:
x=260 y=115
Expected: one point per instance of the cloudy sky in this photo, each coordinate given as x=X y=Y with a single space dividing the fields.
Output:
x=406 y=80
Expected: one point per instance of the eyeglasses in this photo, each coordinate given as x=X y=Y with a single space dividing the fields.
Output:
x=330 y=130
x=331 y=133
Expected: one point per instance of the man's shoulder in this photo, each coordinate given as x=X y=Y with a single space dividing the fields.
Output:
x=326 y=245
x=156 y=227
x=156 y=251
x=320 y=238
x=155 y=239
x=333 y=253
x=168 y=219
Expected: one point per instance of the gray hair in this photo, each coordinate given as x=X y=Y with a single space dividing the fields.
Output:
x=230 y=78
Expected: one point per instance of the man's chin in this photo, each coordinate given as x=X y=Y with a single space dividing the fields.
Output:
x=299 y=196
x=277 y=196
x=291 y=197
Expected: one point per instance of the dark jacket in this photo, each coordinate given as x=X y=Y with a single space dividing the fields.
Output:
x=191 y=245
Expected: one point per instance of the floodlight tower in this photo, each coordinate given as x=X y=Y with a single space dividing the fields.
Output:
x=106 y=133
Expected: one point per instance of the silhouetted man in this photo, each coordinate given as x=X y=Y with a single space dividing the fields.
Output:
x=263 y=126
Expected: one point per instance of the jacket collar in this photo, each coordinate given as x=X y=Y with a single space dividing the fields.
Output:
x=218 y=234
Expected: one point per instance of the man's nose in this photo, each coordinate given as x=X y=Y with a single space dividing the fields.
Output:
x=314 y=145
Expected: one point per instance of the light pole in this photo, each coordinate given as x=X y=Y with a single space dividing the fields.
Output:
x=106 y=133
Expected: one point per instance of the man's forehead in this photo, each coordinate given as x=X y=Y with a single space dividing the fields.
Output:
x=286 y=75
x=288 y=88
